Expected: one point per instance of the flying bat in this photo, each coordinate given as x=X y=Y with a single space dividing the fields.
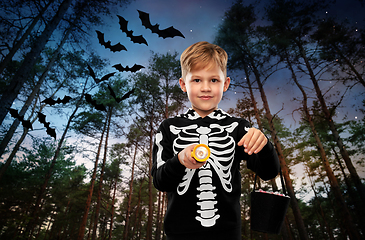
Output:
x=50 y=131
x=135 y=39
x=125 y=96
x=98 y=80
x=135 y=68
x=41 y=118
x=114 y=48
x=26 y=123
x=52 y=102
x=97 y=106
x=164 y=33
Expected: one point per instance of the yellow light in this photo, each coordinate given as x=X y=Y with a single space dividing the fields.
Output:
x=201 y=153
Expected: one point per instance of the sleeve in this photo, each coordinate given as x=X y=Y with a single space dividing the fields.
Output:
x=167 y=171
x=266 y=162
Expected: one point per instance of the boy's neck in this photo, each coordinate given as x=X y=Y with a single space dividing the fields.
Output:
x=203 y=114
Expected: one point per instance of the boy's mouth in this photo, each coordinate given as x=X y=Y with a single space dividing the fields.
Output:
x=205 y=97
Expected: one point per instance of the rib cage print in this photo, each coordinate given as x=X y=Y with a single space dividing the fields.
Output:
x=222 y=147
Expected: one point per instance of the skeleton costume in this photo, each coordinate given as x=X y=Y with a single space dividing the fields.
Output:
x=204 y=203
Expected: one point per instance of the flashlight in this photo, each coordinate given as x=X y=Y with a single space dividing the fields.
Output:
x=201 y=153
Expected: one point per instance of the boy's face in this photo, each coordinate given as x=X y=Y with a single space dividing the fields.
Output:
x=205 y=88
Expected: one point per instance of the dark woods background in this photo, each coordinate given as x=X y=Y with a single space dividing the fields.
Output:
x=77 y=134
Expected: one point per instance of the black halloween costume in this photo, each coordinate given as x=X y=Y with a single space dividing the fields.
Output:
x=204 y=203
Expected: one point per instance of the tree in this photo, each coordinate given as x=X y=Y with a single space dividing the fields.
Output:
x=237 y=35
x=134 y=138
x=34 y=216
x=17 y=43
x=89 y=123
x=85 y=12
x=342 y=46
x=27 y=176
x=66 y=83
x=30 y=59
x=281 y=48
x=157 y=96
x=98 y=203
x=91 y=188
x=292 y=21
x=335 y=187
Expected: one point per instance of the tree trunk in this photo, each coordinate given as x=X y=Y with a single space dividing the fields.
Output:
x=13 y=89
x=253 y=99
x=113 y=208
x=29 y=101
x=19 y=43
x=350 y=226
x=294 y=204
x=258 y=119
x=348 y=62
x=353 y=173
x=360 y=209
x=91 y=188
x=16 y=147
x=137 y=208
x=35 y=90
x=90 y=225
x=34 y=215
x=150 y=202
x=328 y=229
x=163 y=211
x=159 y=203
x=288 y=229
x=126 y=226
x=108 y=120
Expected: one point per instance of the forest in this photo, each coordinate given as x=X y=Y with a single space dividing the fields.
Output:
x=77 y=135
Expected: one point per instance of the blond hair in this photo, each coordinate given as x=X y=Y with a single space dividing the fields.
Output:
x=201 y=55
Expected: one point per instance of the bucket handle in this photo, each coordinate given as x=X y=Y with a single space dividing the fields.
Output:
x=282 y=183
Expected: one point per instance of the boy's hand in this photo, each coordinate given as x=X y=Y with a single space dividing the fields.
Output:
x=253 y=141
x=187 y=160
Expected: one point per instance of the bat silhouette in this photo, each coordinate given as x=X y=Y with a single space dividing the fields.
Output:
x=26 y=123
x=50 y=131
x=125 y=96
x=114 y=48
x=52 y=102
x=98 y=80
x=97 y=106
x=164 y=33
x=135 y=39
x=135 y=68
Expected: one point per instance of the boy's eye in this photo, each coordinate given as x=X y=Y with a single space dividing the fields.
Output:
x=214 y=80
x=196 y=80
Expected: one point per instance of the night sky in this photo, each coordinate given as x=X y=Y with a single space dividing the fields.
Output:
x=199 y=21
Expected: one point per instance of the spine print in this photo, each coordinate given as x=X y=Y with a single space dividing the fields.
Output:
x=206 y=198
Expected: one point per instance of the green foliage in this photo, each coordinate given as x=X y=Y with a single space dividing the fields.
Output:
x=26 y=176
x=88 y=123
x=244 y=109
x=139 y=209
x=158 y=91
x=357 y=130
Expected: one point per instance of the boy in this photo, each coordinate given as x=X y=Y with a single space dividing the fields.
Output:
x=203 y=197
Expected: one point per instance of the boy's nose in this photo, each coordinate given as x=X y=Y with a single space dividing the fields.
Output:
x=205 y=86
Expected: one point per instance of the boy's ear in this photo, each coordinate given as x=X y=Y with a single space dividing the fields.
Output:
x=226 y=84
x=182 y=85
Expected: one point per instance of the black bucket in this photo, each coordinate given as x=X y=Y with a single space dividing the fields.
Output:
x=268 y=210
